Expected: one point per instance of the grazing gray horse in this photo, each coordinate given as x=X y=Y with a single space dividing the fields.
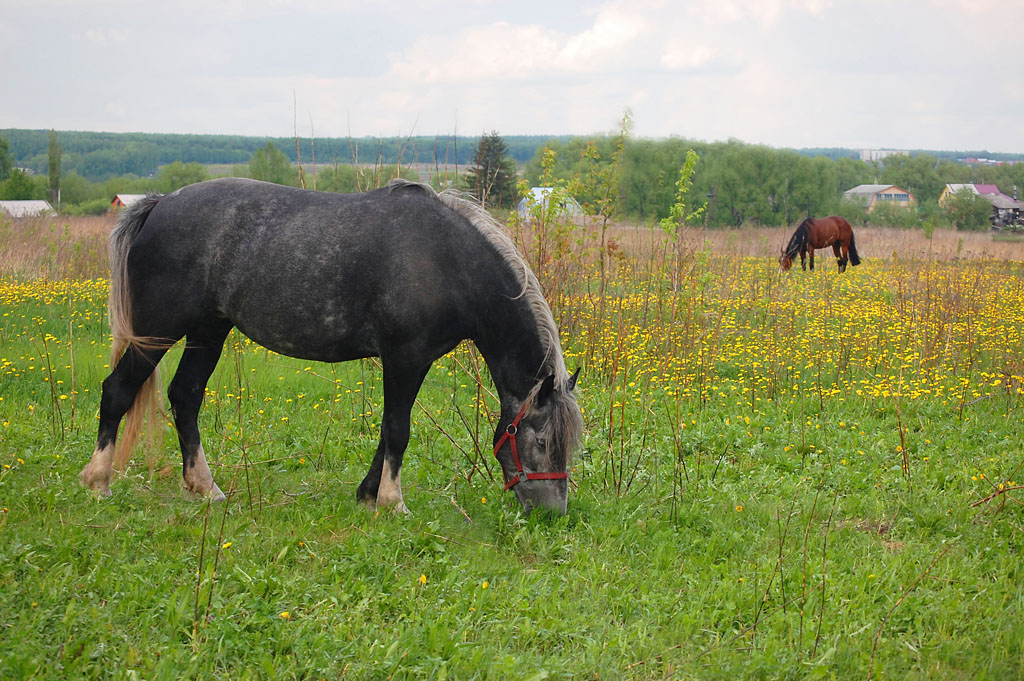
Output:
x=401 y=273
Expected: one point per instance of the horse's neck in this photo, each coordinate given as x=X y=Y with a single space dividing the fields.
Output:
x=511 y=344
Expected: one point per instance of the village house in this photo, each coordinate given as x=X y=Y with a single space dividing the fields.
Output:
x=125 y=200
x=538 y=196
x=1005 y=210
x=873 y=194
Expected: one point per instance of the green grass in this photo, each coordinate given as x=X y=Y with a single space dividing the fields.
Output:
x=772 y=534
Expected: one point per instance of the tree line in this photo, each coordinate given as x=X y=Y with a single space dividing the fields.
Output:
x=754 y=184
x=99 y=156
x=740 y=183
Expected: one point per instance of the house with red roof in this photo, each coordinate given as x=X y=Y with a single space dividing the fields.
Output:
x=1005 y=210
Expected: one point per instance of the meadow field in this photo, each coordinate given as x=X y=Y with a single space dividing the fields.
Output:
x=792 y=475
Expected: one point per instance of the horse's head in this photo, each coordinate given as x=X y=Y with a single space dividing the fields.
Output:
x=785 y=262
x=534 y=444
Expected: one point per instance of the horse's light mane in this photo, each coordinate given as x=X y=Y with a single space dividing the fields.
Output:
x=564 y=427
x=495 y=234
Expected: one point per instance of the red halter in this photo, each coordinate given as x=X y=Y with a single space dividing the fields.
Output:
x=521 y=475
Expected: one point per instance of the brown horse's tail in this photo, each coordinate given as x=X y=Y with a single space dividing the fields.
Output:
x=145 y=407
x=854 y=258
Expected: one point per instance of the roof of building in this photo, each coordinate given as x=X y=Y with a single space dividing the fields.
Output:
x=986 y=191
x=869 y=189
x=1003 y=202
x=24 y=209
x=128 y=199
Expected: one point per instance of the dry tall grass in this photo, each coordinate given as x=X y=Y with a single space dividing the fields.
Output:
x=55 y=247
x=872 y=242
x=76 y=247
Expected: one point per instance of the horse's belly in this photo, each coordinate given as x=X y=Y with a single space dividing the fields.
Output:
x=307 y=336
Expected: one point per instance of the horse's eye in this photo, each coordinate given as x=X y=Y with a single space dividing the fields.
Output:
x=541 y=442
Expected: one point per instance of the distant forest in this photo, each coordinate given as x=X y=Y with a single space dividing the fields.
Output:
x=98 y=156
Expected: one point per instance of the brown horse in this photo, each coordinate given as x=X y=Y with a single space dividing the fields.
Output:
x=816 y=233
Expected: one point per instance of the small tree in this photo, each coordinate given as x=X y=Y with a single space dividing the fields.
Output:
x=854 y=210
x=679 y=215
x=968 y=210
x=339 y=178
x=891 y=214
x=271 y=165
x=5 y=159
x=176 y=175
x=492 y=179
x=20 y=187
x=54 y=169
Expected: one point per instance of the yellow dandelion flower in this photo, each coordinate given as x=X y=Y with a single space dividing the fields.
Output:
x=226 y=545
x=285 y=615
x=485 y=584
x=423 y=579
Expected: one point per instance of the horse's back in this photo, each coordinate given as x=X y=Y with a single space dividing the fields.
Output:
x=313 y=274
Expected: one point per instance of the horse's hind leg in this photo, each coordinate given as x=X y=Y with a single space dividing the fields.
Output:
x=120 y=389
x=202 y=351
x=382 y=486
x=840 y=254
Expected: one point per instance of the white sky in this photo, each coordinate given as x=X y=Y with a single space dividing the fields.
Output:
x=906 y=74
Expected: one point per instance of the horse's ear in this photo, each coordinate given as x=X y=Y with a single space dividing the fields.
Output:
x=547 y=387
x=572 y=379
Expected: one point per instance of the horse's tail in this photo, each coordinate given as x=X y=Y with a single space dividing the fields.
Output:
x=854 y=258
x=145 y=406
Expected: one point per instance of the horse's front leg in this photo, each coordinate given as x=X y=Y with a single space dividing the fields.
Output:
x=810 y=256
x=803 y=260
x=382 y=486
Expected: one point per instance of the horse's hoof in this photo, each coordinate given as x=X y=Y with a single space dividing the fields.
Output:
x=213 y=494
x=397 y=508
x=96 y=483
x=103 y=491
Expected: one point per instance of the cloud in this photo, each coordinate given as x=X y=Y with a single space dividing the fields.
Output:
x=687 y=57
x=756 y=70
x=614 y=28
x=105 y=36
x=517 y=52
x=764 y=12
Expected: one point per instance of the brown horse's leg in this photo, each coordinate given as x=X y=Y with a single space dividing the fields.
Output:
x=840 y=256
x=810 y=256
x=803 y=260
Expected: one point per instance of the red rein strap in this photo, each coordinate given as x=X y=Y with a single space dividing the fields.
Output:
x=521 y=475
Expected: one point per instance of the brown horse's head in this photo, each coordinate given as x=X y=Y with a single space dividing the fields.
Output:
x=785 y=262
